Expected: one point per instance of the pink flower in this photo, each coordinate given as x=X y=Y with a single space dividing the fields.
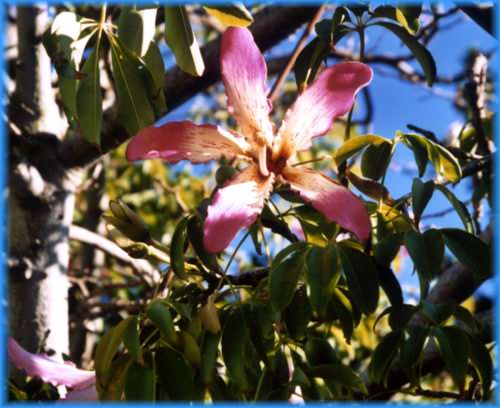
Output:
x=269 y=153
x=57 y=373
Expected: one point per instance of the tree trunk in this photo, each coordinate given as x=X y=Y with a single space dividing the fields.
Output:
x=41 y=197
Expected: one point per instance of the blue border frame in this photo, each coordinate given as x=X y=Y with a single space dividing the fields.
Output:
x=3 y=210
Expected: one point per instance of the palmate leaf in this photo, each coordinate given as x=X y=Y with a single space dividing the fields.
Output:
x=180 y=38
x=65 y=42
x=89 y=99
x=136 y=28
x=134 y=108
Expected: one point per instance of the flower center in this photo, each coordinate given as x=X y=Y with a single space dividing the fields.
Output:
x=268 y=164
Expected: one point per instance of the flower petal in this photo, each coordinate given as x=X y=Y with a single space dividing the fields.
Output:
x=234 y=207
x=331 y=95
x=176 y=141
x=49 y=370
x=330 y=198
x=88 y=394
x=244 y=74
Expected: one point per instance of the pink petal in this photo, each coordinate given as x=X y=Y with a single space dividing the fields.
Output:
x=234 y=207
x=331 y=95
x=297 y=229
x=244 y=74
x=176 y=141
x=88 y=394
x=49 y=370
x=333 y=200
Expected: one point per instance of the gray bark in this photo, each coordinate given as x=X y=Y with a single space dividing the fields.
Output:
x=41 y=198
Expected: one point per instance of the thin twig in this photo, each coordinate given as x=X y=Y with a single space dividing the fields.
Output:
x=298 y=48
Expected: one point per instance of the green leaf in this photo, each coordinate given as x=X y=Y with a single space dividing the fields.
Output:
x=462 y=314
x=426 y=251
x=209 y=347
x=421 y=193
x=482 y=362
x=418 y=144
x=155 y=67
x=177 y=248
x=284 y=276
x=390 y=285
x=371 y=188
x=355 y=144
x=450 y=167
x=387 y=248
x=235 y=15
x=195 y=235
x=342 y=307
x=439 y=312
x=383 y=355
x=459 y=207
x=319 y=351
x=454 y=346
x=234 y=337
x=159 y=313
x=470 y=250
x=362 y=278
x=339 y=373
x=89 y=99
x=375 y=160
x=423 y=56
x=134 y=108
x=401 y=315
x=180 y=39
x=131 y=337
x=308 y=62
x=110 y=386
x=140 y=381
x=412 y=348
x=176 y=376
x=108 y=347
x=298 y=314
x=65 y=42
x=322 y=273
x=260 y=329
x=136 y=28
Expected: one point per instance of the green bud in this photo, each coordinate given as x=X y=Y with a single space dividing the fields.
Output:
x=128 y=222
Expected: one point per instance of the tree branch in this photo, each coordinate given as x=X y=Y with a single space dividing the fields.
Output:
x=85 y=236
x=271 y=26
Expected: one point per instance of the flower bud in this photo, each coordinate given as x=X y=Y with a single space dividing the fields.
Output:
x=209 y=317
x=128 y=222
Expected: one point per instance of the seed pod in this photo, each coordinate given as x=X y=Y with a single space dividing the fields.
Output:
x=209 y=317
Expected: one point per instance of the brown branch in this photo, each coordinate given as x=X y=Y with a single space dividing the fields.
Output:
x=85 y=236
x=271 y=26
x=298 y=48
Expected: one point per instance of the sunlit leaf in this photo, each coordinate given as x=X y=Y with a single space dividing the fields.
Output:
x=180 y=38
x=134 y=108
x=355 y=144
x=234 y=15
x=136 y=28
